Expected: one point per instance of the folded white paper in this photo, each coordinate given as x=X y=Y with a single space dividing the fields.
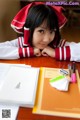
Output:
x=61 y=83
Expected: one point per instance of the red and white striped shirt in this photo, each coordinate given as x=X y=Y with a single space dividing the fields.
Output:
x=68 y=51
x=15 y=49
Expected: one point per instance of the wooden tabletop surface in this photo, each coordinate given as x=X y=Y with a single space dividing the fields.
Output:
x=26 y=113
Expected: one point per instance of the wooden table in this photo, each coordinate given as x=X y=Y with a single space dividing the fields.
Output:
x=26 y=113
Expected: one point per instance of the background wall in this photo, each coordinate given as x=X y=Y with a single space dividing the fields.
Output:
x=8 y=9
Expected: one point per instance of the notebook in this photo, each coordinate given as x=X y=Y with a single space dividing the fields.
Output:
x=19 y=86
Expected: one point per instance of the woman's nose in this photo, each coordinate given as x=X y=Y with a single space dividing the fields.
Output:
x=47 y=38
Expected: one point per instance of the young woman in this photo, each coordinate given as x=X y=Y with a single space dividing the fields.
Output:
x=39 y=25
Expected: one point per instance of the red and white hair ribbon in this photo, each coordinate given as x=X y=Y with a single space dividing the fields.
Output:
x=19 y=20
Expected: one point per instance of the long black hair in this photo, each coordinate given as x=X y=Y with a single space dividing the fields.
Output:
x=39 y=13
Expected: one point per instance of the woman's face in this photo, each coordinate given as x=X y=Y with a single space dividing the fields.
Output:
x=42 y=36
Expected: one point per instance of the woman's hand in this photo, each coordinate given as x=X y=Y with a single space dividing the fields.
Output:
x=48 y=51
x=37 y=52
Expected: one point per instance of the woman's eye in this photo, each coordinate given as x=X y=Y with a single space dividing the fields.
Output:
x=41 y=31
x=52 y=32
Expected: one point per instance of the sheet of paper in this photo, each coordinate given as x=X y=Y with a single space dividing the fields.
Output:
x=20 y=84
x=8 y=112
x=4 y=68
x=60 y=83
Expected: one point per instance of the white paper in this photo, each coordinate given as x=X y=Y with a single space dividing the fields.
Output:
x=20 y=83
x=4 y=68
x=61 y=84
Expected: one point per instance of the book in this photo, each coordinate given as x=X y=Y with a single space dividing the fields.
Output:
x=19 y=86
x=50 y=101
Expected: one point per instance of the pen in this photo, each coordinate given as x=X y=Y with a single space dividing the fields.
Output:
x=69 y=68
x=73 y=75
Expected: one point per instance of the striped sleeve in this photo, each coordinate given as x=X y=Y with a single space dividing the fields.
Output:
x=63 y=53
x=26 y=52
x=20 y=41
x=62 y=42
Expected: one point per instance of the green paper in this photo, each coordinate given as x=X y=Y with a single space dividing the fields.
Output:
x=57 y=78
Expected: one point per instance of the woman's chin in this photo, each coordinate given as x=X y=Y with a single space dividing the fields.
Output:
x=41 y=48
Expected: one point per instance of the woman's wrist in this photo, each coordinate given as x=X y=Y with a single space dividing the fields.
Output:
x=37 y=52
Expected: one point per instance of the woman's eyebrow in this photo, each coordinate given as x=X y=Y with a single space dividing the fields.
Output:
x=42 y=27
